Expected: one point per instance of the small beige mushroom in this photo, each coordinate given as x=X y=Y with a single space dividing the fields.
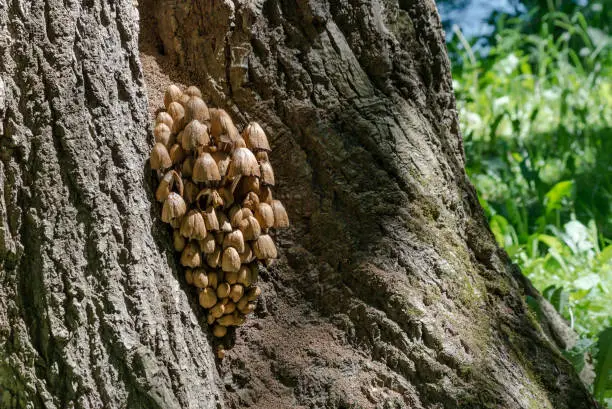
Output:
x=214 y=259
x=250 y=228
x=253 y=293
x=234 y=239
x=172 y=94
x=205 y=169
x=207 y=244
x=164 y=118
x=195 y=136
x=208 y=297
x=218 y=309
x=251 y=201
x=255 y=137
x=244 y=276
x=267 y=174
x=236 y=292
x=190 y=257
x=265 y=195
x=160 y=158
x=177 y=112
x=200 y=278
x=264 y=215
x=174 y=208
x=210 y=219
x=193 y=226
x=196 y=108
x=231 y=260
x=213 y=279
x=223 y=290
x=178 y=241
x=243 y=163
x=281 y=220
x=170 y=182
x=219 y=331
x=247 y=255
x=189 y=276
x=177 y=154
x=264 y=247
x=162 y=133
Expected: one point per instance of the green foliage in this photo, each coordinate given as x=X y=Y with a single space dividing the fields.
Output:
x=535 y=107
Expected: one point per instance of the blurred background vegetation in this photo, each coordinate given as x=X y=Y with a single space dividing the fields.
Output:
x=533 y=81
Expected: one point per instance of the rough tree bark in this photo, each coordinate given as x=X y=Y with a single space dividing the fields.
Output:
x=390 y=292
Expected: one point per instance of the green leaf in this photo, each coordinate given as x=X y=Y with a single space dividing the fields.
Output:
x=554 y=198
x=551 y=242
x=603 y=368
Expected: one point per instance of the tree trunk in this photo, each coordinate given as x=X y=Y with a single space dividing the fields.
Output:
x=390 y=291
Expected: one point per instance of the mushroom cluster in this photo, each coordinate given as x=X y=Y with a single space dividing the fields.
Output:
x=216 y=188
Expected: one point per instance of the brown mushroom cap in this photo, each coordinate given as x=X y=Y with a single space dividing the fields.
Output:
x=174 y=208
x=234 y=239
x=265 y=195
x=205 y=169
x=218 y=309
x=243 y=163
x=207 y=244
x=193 y=91
x=262 y=156
x=193 y=226
x=164 y=118
x=219 y=331
x=244 y=276
x=191 y=255
x=213 y=279
x=177 y=112
x=223 y=160
x=214 y=259
x=170 y=182
x=200 y=278
x=231 y=260
x=195 y=135
x=208 y=297
x=267 y=173
x=264 y=247
x=222 y=128
x=236 y=292
x=160 y=158
x=224 y=224
x=253 y=293
x=223 y=290
x=196 y=108
x=231 y=277
x=250 y=228
x=255 y=137
x=281 y=220
x=210 y=219
x=264 y=215
x=247 y=255
x=250 y=201
x=173 y=94
x=190 y=191
x=226 y=320
x=162 y=133
x=177 y=154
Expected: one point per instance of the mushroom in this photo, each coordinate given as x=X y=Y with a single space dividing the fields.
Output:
x=231 y=260
x=264 y=247
x=193 y=226
x=174 y=208
x=177 y=112
x=191 y=255
x=267 y=173
x=255 y=137
x=234 y=239
x=281 y=220
x=243 y=163
x=250 y=228
x=236 y=292
x=195 y=136
x=164 y=118
x=207 y=244
x=223 y=290
x=193 y=91
x=199 y=278
x=162 y=133
x=219 y=331
x=168 y=183
x=205 y=169
x=178 y=241
x=264 y=215
x=173 y=94
x=195 y=108
x=160 y=158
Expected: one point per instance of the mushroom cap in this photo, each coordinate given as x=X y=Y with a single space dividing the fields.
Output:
x=239 y=143
x=255 y=137
x=219 y=331
x=250 y=228
x=196 y=108
x=236 y=292
x=193 y=226
x=223 y=160
x=208 y=297
x=247 y=255
x=177 y=154
x=235 y=215
x=199 y=278
x=223 y=290
x=234 y=239
x=227 y=320
x=172 y=94
x=214 y=259
x=247 y=184
x=190 y=257
x=231 y=277
x=253 y=293
x=224 y=224
x=205 y=169
x=177 y=112
x=264 y=247
x=231 y=260
x=170 y=182
x=213 y=279
x=281 y=220
x=160 y=158
x=244 y=276
x=218 y=309
x=164 y=118
x=207 y=244
x=267 y=173
x=195 y=135
x=250 y=201
x=193 y=91
x=174 y=208
x=210 y=219
x=264 y=215
x=162 y=133
x=243 y=163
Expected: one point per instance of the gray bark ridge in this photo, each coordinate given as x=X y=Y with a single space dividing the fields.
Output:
x=391 y=291
x=92 y=313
